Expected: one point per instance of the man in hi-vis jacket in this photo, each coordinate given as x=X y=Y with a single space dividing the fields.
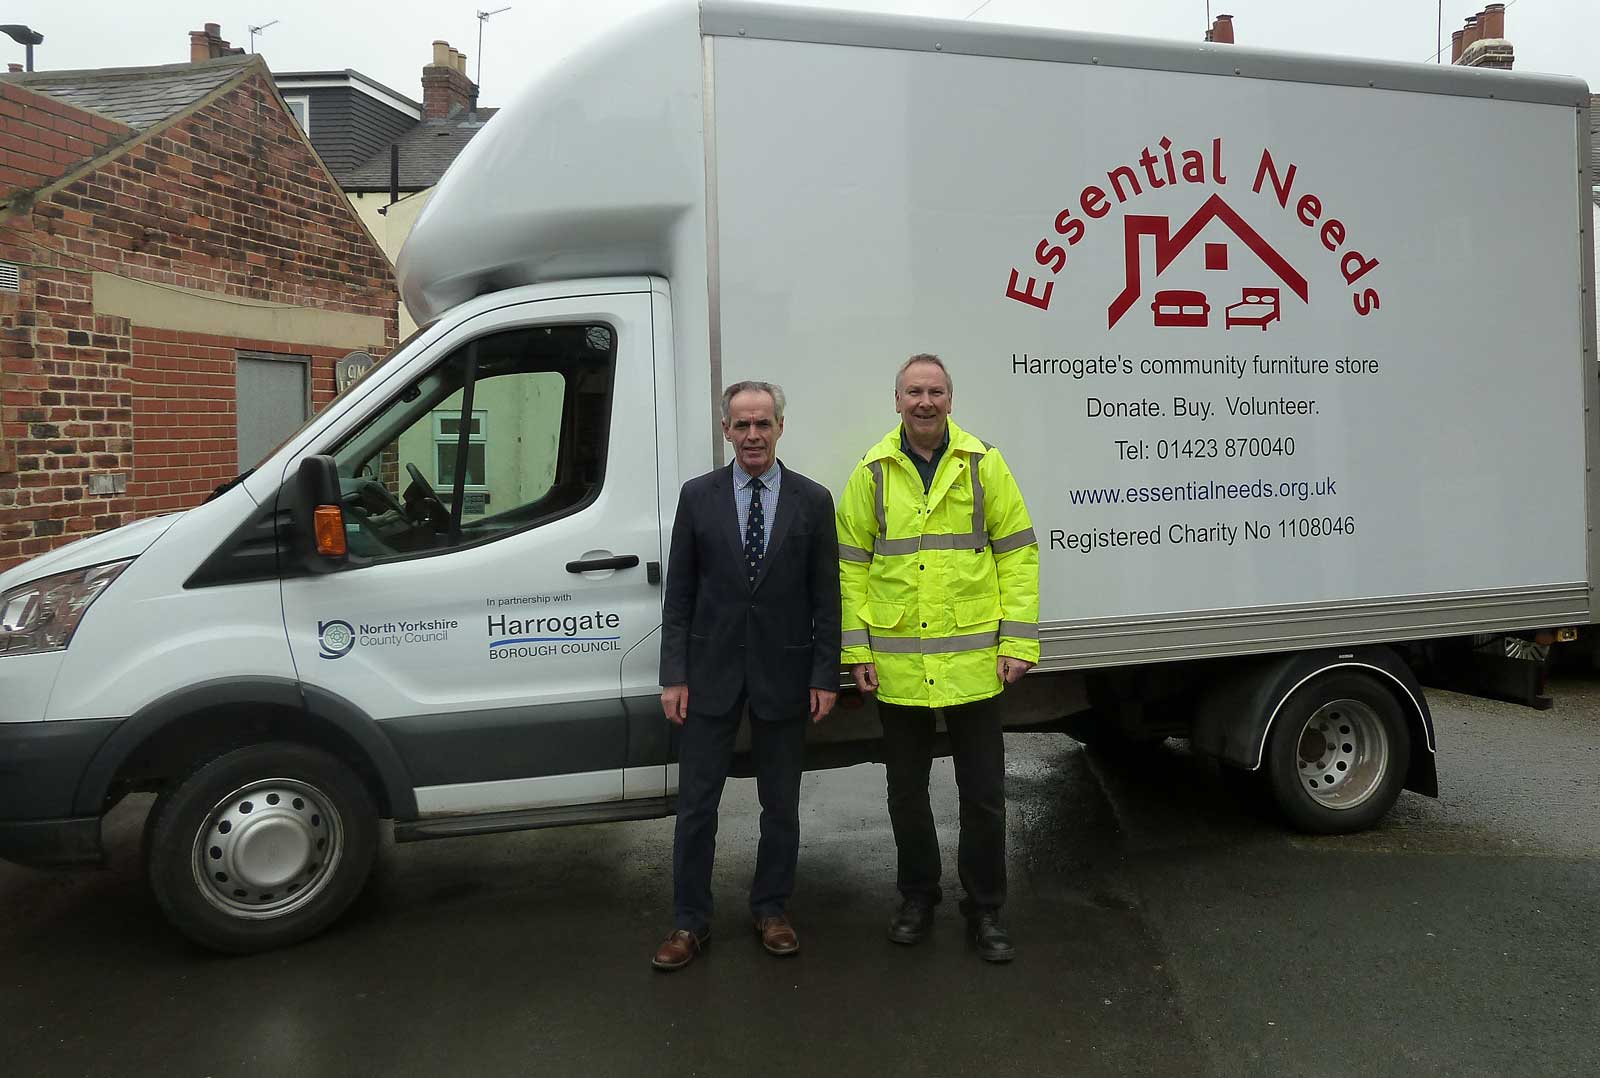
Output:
x=939 y=577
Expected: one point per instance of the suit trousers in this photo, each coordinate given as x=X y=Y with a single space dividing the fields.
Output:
x=978 y=747
x=705 y=755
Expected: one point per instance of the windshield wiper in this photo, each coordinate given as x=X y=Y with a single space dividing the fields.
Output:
x=230 y=484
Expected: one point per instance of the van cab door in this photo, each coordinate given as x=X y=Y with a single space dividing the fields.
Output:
x=501 y=515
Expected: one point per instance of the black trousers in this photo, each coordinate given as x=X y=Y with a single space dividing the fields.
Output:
x=978 y=747
x=705 y=755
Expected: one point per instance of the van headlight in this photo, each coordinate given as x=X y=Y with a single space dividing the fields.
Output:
x=42 y=614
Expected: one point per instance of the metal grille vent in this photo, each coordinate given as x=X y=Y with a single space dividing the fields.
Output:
x=10 y=278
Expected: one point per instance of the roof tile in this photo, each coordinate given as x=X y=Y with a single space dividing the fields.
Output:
x=425 y=152
x=140 y=97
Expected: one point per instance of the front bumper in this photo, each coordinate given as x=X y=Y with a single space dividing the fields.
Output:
x=41 y=764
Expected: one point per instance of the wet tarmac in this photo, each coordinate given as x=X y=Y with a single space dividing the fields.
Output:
x=1162 y=930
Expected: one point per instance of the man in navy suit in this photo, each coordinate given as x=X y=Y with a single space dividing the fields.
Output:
x=750 y=620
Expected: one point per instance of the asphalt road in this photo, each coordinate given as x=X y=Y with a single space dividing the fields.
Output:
x=1161 y=930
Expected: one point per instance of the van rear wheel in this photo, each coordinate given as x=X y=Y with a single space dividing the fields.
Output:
x=261 y=847
x=1337 y=755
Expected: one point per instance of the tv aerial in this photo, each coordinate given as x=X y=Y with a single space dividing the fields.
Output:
x=254 y=30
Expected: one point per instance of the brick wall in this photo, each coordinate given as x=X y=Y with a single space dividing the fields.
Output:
x=185 y=411
x=42 y=138
x=64 y=411
x=228 y=200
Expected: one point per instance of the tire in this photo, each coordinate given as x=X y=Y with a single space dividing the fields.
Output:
x=261 y=847
x=1337 y=755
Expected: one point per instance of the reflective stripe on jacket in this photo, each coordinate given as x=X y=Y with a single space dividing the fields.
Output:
x=937 y=585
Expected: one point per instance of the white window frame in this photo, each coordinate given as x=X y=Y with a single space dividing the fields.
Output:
x=480 y=419
x=303 y=116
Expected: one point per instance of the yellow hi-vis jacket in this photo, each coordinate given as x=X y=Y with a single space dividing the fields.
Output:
x=936 y=586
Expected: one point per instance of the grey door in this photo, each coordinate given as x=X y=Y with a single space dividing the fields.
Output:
x=273 y=400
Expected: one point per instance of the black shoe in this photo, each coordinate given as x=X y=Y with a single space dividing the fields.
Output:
x=992 y=941
x=911 y=921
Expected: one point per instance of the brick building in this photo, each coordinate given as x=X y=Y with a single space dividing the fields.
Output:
x=387 y=151
x=179 y=274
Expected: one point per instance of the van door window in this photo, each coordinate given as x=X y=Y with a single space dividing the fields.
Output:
x=507 y=433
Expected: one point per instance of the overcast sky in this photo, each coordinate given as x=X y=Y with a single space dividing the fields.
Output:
x=391 y=41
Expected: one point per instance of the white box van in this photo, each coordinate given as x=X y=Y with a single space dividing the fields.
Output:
x=1293 y=358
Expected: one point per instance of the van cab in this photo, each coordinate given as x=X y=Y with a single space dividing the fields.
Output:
x=481 y=655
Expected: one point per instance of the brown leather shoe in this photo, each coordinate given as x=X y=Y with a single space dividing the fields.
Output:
x=679 y=949
x=777 y=935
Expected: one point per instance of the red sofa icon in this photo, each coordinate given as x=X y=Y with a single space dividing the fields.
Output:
x=1181 y=307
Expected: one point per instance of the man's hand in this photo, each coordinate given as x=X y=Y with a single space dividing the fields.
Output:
x=1011 y=670
x=866 y=675
x=821 y=703
x=675 y=703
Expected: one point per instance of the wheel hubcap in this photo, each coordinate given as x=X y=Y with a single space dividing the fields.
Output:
x=267 y=848
x=1343 y=754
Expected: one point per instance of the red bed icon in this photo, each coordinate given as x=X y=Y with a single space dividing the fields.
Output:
x=1256 y=307
x=1181 y=307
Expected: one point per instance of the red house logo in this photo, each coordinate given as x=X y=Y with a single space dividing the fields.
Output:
x=1190 y=308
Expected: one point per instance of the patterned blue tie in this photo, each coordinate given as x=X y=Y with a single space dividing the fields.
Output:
x=755 y=532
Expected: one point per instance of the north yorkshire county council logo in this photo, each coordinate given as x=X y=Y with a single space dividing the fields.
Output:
x=335 y=638
x=1200 y=249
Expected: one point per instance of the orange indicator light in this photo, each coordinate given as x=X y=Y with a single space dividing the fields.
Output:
x=330 y=531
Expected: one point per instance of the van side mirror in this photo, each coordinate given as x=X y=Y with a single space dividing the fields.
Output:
x=318 y=514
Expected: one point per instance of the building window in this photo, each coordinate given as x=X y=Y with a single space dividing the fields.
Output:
x=300 y=109
x=446 y=443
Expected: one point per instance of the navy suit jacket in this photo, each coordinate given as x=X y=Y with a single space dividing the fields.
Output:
x=774 y=640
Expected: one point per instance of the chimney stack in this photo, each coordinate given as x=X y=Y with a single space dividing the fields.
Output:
x=207 y=44
x=445 y=86
x=1221 y=30
x=1483 y=41
x=14 y=68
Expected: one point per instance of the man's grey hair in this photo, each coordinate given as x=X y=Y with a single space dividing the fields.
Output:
x=925 y=357
x=771 y=389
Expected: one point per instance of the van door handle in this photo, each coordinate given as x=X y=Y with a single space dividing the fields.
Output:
x=621 y=561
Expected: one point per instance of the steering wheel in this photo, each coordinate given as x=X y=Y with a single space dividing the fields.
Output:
x=422 y=504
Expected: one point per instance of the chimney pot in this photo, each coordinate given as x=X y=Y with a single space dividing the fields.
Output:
x=13 y=68
x=1493 y=21
x=441 y=54
x=207 y=44
x=1222 y=30
x=1455 y=46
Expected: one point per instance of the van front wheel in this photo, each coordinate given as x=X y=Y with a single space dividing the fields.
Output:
x=261 y=847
